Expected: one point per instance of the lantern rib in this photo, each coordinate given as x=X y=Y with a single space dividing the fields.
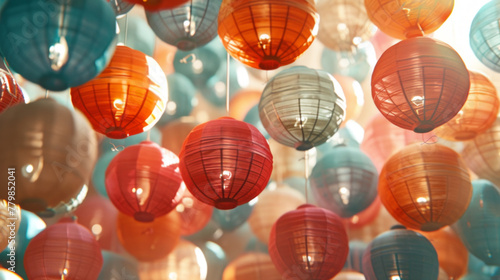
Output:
x=246 y=179
x=300 y=118
x=406 y=98
x=281 y=122
x=431 y=218
x=137 y=112
x=413 y=201
x=206 y=176
x=255 y=31
x=243 y=37
x=284 y=53
x=443 y=80
x=284 y=32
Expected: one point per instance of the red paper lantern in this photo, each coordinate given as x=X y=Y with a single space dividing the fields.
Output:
x=127 y=98
x=65 y=250
x=408 y=18
x=225 y=162
x=477 y=115
x=308 y=243
x=144 y=181
x=419 y=84
x=425 y=186
x=267 y=34
x=194 y=214
x=156 y=5
x=10 y=92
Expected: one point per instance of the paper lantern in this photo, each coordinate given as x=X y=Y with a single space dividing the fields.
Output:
x=381 y=42
x=420 y=84
x=242 y=102
x=408 y=18
x=181 y=99
x=6 y=274
x=116 y=267
x=58 y=55
x=253 y=118
x=302 y=107
x=484 y=34
x=344 y=181
x=481 y=154
x=187 y=26
x=65 y=250
x=267 y=35
x=185 y=262
x=351 y=135
x=479 y=227
x=225 y=162
x=144 y=181
x=136 y=33
x=354 y=97
x=310 y=243
x=156 y=5
x=198 y=65
x=344 y=24
x=354 y=260
x=216 y=259
x=478 y=113
x=109 y=145
x=231 y=219
x=120 y=7
x=10 y=92
x=174 y=133
x=400 y=254
x=151 y=241
x=99 y=173
x=194 y=214
x=453 y=256
x=251 y=266
x=356 y=63
x=364 y=217
x=51 y=150
x=425 y=187
x=127 y=98
x=349 y=275
x=10 y=220
x=271 y=205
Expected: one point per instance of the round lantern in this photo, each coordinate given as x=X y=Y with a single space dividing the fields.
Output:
x=253 y=118
x=453 y=256
x=481 y=154
x=354 y=260
x=479 y=227
x=194 y=214
x=156 y=5
x=251 y=266
x=120 y=7
x=477 y=115
x=46 y=44
x=109 y=145
x=198 y=65
x=344 y=181
x=425 y=186
x=344 y=24
x=187 y=26
x=225 y=162
x=10 y=92
x=354 y=96
x=181 y=99
x=267 y=35
x=127 y=98
x=117 y=267
x=10 y=220
x=229 y=220
x=271 y=205
x=364 y=217
x=484 y=33
x=355 y=63
x=174 y=133
x=50 y=150
x=419 y=84
x=308 y=243
x=408 y=18
x=6 y=274
x=302 y=107
x=151 y=241
x=65 y=250
x=216 y=259
x=144 y=181
x=243 y=102
x=400 y=254
x=349 y=275
x=99 y=173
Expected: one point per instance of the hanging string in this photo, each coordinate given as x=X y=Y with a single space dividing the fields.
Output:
x=306 y=173
x=148 y=135
x=126 y=30
x=46 y=93
x=227 y=83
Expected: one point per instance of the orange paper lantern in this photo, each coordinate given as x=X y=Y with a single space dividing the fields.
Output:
x=354 y=96
x=425 y=186
x=127 y=98
x=477 y=115
x=251 y=266
x=267 y=34
x=419 y=84
x=408 y=18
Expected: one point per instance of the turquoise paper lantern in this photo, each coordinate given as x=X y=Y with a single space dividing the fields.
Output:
x=229 y=220
x=216 y=259
x=484 y=35
x=198 y=65
x=181 y=98
x=356 y=63
x=187 y=26
x=58 y=44
x=117 y=267
x=355 y=258
x=136 y=34
x=99 y=173
x=252 y=117
x=479 y=226
x=120 y=7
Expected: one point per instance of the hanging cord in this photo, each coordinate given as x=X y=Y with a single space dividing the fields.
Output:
x=227 y=83
x=46 y=93
x=148 y=135
x=306 y=173
x=126 y=30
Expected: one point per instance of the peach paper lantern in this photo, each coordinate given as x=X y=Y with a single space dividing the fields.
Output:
x=425 y=186
x=349 y=275
x=251 y=266
x=354 y=96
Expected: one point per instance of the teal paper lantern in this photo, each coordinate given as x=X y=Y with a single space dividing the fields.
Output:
x=58 y=44
x=356 y=63
x=117 y=267
x=484 y=35
x=479 y=226
x=355 y=258
x=216 y=260
x=120 y=7
x=99 y=173
x=198 y=65
x=181 y=98
x=229 y=220
x=187 y=26
x=136 y=34
x=252 y=117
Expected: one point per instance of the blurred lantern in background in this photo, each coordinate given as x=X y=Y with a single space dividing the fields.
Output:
x=381 y=42
x=216 y=259
x=156 y=5
x=354 y=260
x=175 y=132
x=425 y=187
x=280 y=31
x=251 y=266
x=302 y=107
x=355 y=63
x=479 y=227
x=151 y=241
x=242 y=102
x=120 y=7
x=117 y=267
x=419 y=84
x=271 y=205
x=10 y=92
x=344 y=24
x=408 y=18
x=231 y=219
x=478 y=113
x=52 y=151
x=136 y=34
x=10 y=220
x=349 y=275
x=364 y=217
x=252 y=117
x=164 y=55
x=309 y=242
x=400 y=254
x=181 y=98
x=144 y=181
x=99 y=173
x=185 y=262
x=65 y=250
x=109 y=145
x=354 y=97
x=198 y=65
x=127 y=98
x=289 y=163
x=6 y=274
x=188 y=26
x=344 y=181
x=351 y=135
x=194 y=214
x=484 y=35
x=58 y=54
x=225 y=162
